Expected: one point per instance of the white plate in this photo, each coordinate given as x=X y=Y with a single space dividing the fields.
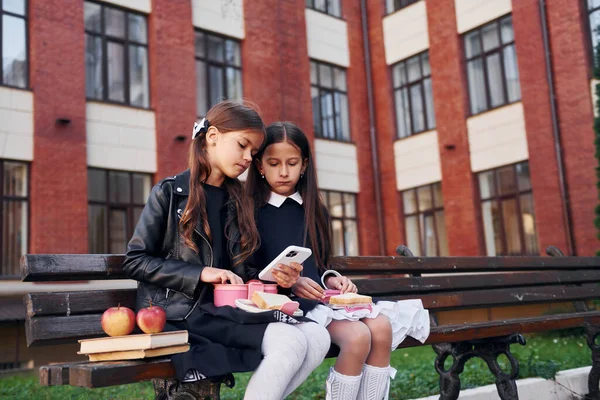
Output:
x=248 y=305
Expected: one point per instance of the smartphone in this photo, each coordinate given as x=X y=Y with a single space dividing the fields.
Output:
x=291 y=254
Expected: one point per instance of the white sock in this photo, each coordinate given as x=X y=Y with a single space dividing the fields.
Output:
x=284 y=350
x=318 y=342
x=375 y=383
x=342 y=387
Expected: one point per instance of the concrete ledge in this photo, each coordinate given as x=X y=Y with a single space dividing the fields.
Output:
x=569 y=385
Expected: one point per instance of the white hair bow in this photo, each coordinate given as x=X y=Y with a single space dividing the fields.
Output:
x=199 y=128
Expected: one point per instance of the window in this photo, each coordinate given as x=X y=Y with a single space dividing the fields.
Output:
x=329 y=101
x=14 y=215
x=116 y=55
x=507 y=211
x=424 y=220
x=342 y=211
x=115 y=202
x=218 y=70
x=331 y=7
x=594 y=11
x=492 y=66
x=394 y=5
x=13 y=43
x=413 y=95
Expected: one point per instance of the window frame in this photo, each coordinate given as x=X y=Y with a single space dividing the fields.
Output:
x=221 y=65
x=313 y=7
x=3 y=199
x=408 y=85
x=332 y=90
x=404 y=4
x=125 y=42
x=325 y=196
x=27 y=55
x=590 y=41
x=109 y=206
x=483 y=56
x=418 y=214
x=498 y=198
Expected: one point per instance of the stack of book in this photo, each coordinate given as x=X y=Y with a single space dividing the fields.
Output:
x=133 y=347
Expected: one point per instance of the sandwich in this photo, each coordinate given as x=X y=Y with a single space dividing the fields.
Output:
x=350 y=299
x=271 y=301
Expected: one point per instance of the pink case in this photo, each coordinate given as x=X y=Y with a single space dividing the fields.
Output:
x=226 y=294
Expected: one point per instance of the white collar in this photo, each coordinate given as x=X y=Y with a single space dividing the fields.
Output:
x=277 y=199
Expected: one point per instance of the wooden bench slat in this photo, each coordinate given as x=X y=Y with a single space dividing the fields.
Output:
x=71 y=267
x=55 y=329
x=110 y=373
x=74 y=303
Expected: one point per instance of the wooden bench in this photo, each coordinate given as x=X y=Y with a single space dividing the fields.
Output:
x=457 y=283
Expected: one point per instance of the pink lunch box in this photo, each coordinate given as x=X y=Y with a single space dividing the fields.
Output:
x=226 y=294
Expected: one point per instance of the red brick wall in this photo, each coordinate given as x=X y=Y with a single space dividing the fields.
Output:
x=172 y=82
x=461 y=210
x=359 y=126
x=569 y=39
x=58 y=215
x=385 y=129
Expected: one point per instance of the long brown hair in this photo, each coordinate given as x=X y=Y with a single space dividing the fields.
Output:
x=226 y=116
x=316 y=222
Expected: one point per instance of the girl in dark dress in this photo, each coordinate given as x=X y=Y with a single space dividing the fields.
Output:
x=198 y=229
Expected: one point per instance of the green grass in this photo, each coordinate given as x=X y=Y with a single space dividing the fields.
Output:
x=542 y=356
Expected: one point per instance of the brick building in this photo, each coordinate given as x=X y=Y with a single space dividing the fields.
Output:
x=457 y=127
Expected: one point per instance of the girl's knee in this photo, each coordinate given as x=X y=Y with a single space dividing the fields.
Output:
x=356 y=339
x=380 y=329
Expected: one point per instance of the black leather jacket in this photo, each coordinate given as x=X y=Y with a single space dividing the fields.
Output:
x=167 y=269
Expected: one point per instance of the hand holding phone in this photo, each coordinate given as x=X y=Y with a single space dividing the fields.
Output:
x=292 y=254
x=287 y=275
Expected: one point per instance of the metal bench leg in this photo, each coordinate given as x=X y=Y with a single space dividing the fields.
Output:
x=206 y=389
x=486 y=349
x=592 y=331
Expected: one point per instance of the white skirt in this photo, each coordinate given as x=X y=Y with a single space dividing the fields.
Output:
x=408 y=318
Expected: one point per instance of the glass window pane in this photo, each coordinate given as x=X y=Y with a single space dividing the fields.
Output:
x=97 y=229
x=511 y=227
x=595 y=28
x=114 y=20
x=141 y=188
x=402 y=113
x=232 y=53
x=216 y=51
x=314 y=94
x=506 y=30
x=14 y=51
x=137 y=212
x=476 y=86
x=215 y=76
x=413 y=66
x=399 y=74
x=511 y=71
x=15 y=179
x=472 y=44
x=506 y=180
x=494 y=70
x=116 y=72
x=118 y=231
x=487 y=185
x=119 y=187
x=327 y=115
x=416 y=102
x=409 y=199
x=351 y=238
x=593 y=4
x=492 y=228
x=201 y=92
x=424 y=196
x=139 y=93
x=93 y=67
x=199 y=44
x=350 y=205
x=489 y=37
x=429 y=238
x=313 y=73
x=334 y=8
x=97 y=185
x=429 y=103
x=523 y=180
x=336 y=207
x=92 y=15
x=138 y=31
x=14 y=6
x=337 y=237
x=14 y=236
x=425 y=64
x=529 y=228
x=440 y=224
x=234 y=84
x=339 y=79
x=325 y=76
x=342 y=120
x=438 y=200
x=320 y=5
x=412 y=235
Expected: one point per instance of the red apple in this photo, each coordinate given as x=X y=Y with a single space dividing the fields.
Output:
x=151 y=319
x=118 y=321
